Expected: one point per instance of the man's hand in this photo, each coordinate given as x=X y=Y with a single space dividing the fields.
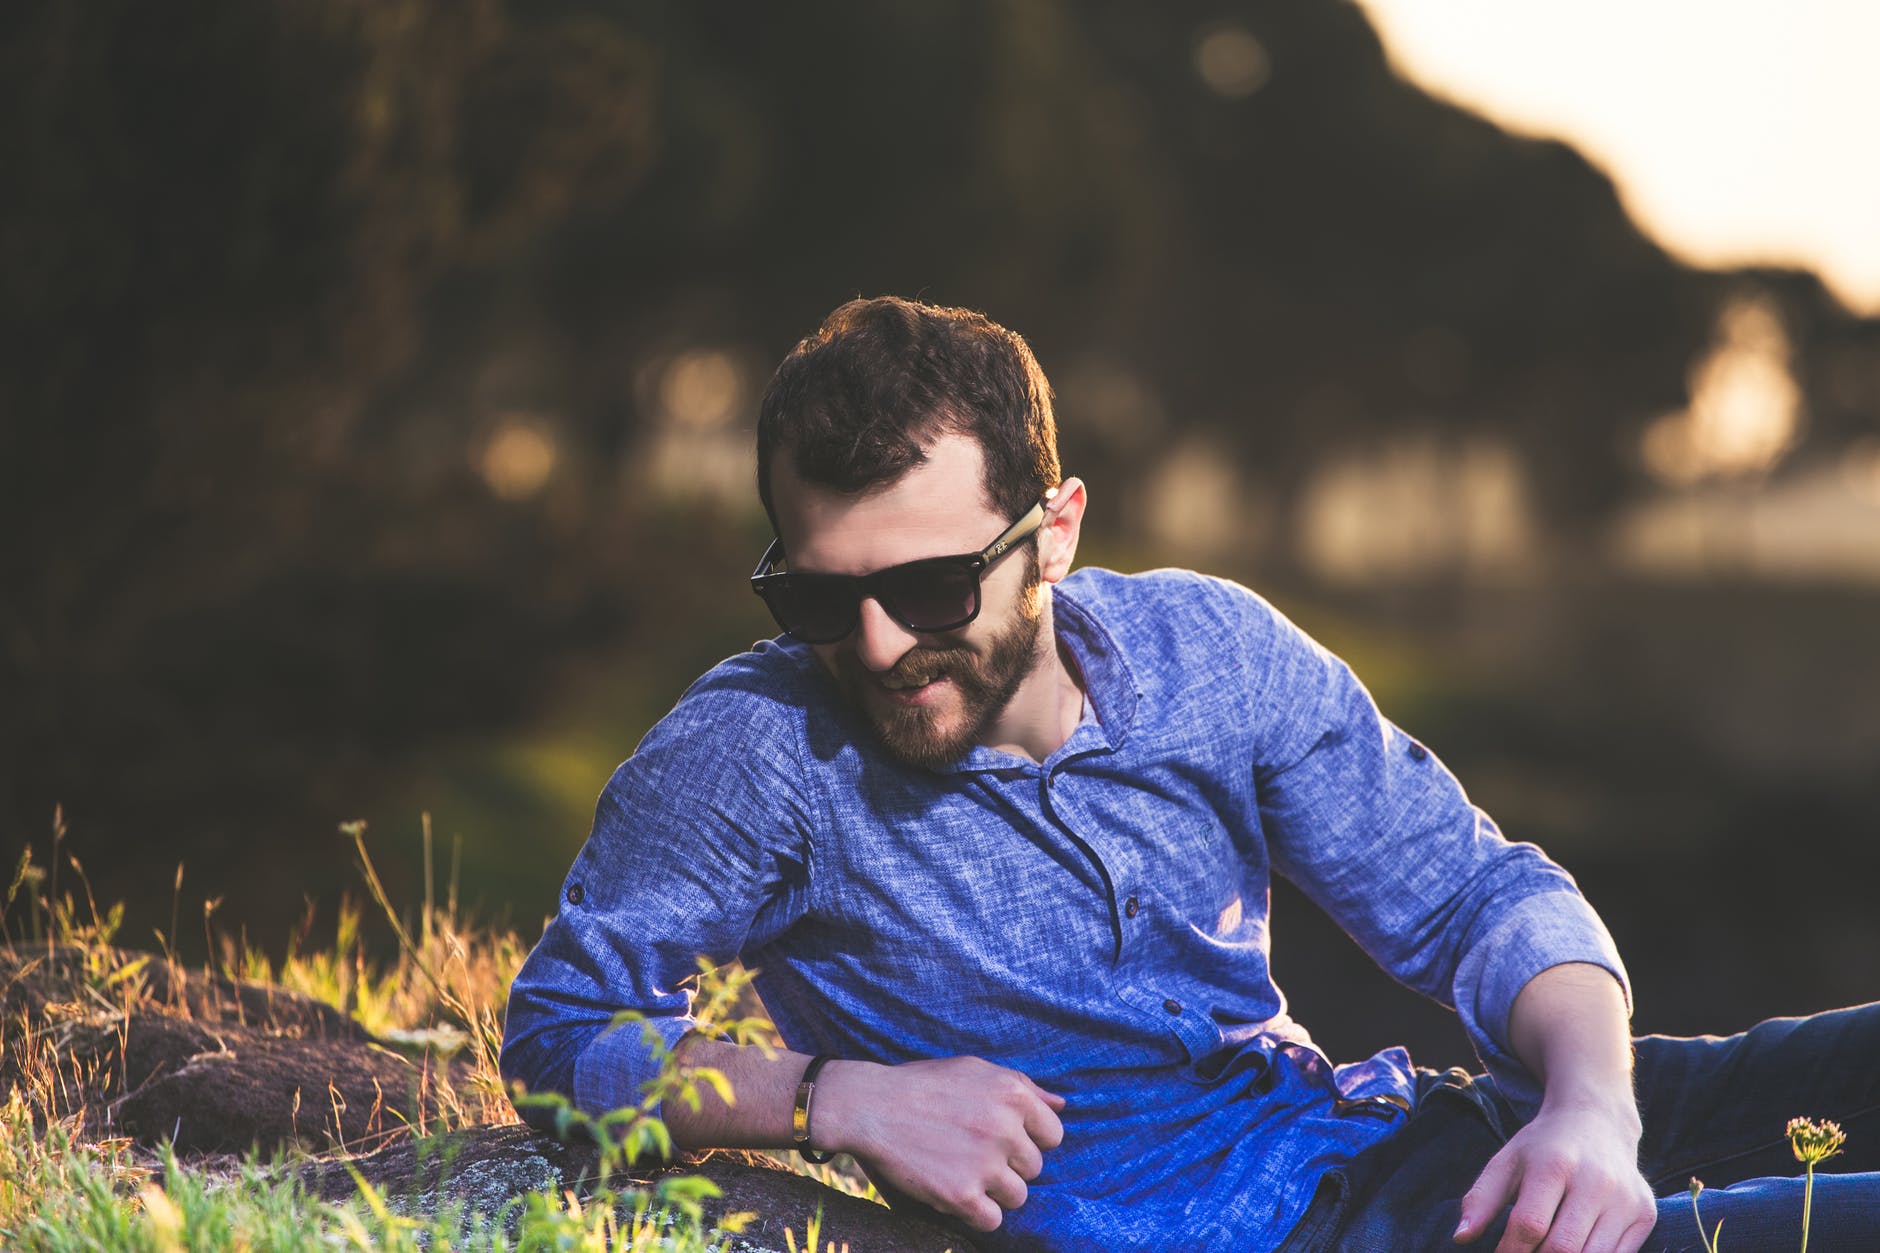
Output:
x=959 y=1134
x=1572 y=1173
x=1572 y=1176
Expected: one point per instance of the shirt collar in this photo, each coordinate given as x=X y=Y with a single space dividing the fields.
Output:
x=1109 y=684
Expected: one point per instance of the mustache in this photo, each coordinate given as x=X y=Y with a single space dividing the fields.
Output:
x=920 y=665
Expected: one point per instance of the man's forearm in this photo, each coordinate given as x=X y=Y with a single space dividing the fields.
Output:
x=763 y=1093
x=1569 y=1027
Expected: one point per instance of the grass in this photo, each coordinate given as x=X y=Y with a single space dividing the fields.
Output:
x=66 y=1189
x=65 y=1186
x=63 y=1193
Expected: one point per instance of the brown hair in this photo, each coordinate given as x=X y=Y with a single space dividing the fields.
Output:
x=852 y=404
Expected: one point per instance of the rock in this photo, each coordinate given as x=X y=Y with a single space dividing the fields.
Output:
x=481 y=1169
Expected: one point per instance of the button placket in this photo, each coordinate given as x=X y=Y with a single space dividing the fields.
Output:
x=1088 y=836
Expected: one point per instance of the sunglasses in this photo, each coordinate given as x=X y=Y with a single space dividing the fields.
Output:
x=932 y=594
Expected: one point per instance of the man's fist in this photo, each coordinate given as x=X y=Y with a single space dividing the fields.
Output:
x=959 y=1134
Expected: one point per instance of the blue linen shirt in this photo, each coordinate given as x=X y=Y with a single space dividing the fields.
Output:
x=1097 y=920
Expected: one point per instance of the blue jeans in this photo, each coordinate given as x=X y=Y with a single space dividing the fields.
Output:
x=1713 y=1107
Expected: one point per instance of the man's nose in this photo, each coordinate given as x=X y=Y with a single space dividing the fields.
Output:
x=880 y=641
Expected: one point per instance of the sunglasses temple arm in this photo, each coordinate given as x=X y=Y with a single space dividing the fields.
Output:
x=769 y=559
x=1019 y=530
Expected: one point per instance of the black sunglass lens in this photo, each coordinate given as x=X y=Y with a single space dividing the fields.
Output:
x=931 y=596
x=815 y=610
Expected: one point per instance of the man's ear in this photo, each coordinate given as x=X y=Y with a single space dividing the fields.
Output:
x=1057 y=537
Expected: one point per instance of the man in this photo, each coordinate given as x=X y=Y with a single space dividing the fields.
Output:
x=997 y=838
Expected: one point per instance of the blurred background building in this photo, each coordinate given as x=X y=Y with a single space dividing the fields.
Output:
x=378 y=385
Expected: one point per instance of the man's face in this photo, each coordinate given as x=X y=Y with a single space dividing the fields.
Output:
x=928 y=696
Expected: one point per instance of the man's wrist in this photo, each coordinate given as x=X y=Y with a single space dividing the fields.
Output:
x=1611 y=1099
x=836 y=1114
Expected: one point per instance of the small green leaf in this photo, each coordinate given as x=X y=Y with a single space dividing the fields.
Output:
x=657 y=1136
x=127 y=971
x=695 y=1188
x=719 y=1084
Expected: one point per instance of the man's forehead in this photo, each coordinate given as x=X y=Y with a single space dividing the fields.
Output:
x=938 y=508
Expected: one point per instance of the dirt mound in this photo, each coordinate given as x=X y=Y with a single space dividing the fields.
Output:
x=218 y=1066
x=158 y=1053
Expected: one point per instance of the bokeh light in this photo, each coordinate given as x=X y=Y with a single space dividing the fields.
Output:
x=1231 y=61
x=519 y=457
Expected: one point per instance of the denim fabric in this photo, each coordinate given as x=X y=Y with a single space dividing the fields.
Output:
x=1097 y=921
x=1714 y=1108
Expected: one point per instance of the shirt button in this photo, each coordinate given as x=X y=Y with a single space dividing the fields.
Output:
x=1417 y=751
x=575 y=894
x=1172 y=1006
x=1130 y=907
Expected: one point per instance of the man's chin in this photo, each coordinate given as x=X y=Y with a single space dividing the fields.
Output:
x=915 y=740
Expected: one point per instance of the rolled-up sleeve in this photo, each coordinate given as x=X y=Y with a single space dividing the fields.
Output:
x=1547 y=929
x=1375 y=830
x=698 y=839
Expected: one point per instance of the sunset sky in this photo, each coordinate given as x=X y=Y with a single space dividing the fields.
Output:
x=1737 y=130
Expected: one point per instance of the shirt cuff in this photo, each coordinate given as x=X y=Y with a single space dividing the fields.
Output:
x=1538 y=932
x=613 y=1071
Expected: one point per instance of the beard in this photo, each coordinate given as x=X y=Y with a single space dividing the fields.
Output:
x=985 y=684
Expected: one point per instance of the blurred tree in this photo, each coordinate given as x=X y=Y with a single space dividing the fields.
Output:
x=338 y=335
x=225 y=230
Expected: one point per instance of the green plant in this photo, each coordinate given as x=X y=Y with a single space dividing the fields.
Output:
x=1812 y=1142
x=1710 y=1241
x=627 y=1134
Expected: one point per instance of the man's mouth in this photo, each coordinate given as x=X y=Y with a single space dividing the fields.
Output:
x=908 y=689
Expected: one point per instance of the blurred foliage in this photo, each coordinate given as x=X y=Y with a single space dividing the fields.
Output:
x=224 y=257
x=280 y=275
